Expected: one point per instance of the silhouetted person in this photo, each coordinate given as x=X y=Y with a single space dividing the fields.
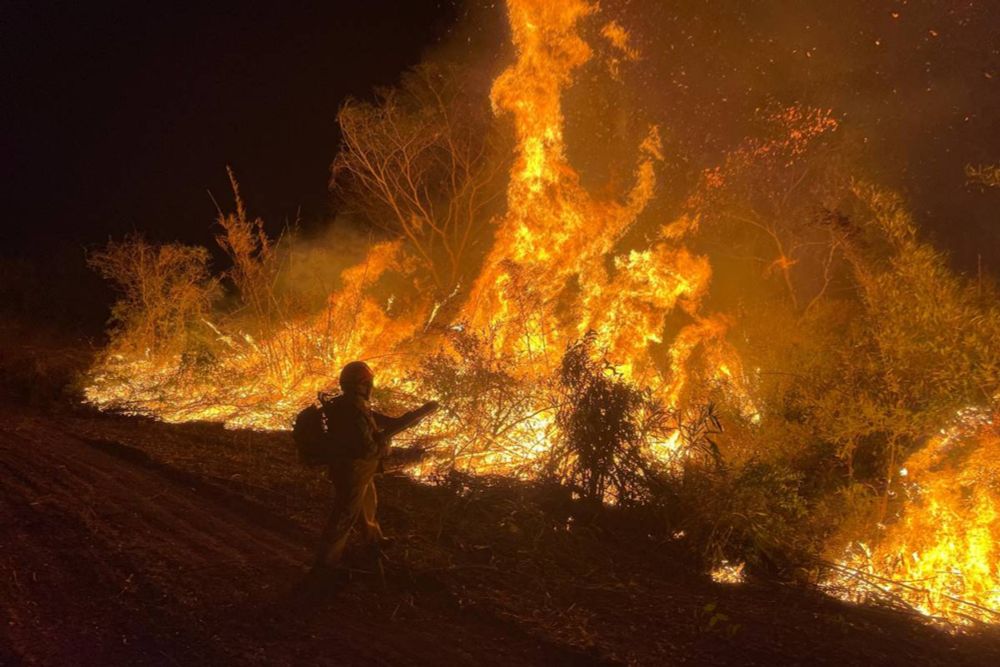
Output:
x=360 y=439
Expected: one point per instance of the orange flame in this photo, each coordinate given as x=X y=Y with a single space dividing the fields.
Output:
x=554 y=273
x=940 y=555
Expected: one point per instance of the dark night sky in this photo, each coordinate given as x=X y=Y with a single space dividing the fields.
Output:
x=120 y=115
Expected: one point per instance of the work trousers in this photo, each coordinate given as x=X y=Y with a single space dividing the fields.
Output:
x=354 y=498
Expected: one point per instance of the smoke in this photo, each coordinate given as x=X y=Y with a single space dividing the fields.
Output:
x=915 y=83
x=313 y=264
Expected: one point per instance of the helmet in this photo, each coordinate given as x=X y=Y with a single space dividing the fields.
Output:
x=355 y=373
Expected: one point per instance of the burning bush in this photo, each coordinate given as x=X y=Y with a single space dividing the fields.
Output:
x=253 y=364
x=166 y=290
x=602 y=450
x=494 y=418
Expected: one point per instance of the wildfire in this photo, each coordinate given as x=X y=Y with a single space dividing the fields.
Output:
x=559 y=268
x=260 y=384
x=553 y=274
x=546 y=281
x=940 y=555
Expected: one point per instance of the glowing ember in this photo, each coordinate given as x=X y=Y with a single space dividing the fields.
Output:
x=728 y=573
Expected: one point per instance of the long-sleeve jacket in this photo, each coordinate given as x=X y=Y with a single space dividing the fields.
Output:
x=352 y=428
x=358 y=432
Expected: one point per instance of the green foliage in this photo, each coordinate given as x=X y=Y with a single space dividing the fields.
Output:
x=756 y=514
x=925 y=345
x=890 y=345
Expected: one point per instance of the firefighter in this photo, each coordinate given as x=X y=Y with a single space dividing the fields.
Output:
x=362 y=439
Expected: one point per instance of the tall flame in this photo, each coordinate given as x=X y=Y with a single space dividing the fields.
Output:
x=547 y=279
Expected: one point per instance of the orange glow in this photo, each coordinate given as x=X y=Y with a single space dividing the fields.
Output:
x=560 y=267
x=940 y=556
x=555 y=272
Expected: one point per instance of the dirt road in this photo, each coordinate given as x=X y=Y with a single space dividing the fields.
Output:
x=111 y=558
x=125 y=541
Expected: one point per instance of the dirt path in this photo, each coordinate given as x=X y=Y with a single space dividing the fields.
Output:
x=111 y=558
x=125 y=541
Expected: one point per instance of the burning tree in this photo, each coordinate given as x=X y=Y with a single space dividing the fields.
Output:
x=423 y=162
x=165 y=291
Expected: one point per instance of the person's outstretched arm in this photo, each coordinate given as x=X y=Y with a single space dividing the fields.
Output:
x=390 y=426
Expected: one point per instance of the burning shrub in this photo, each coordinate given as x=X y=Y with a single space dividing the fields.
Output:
x=164 y=289
x=493 y=419
x=256 y=263
x=939 y=554
x=256 y=364
x=602 y=451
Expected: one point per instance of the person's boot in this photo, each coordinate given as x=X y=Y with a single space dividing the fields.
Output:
x=324 y=574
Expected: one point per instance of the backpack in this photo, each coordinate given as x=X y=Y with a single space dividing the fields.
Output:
x=310 y=434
